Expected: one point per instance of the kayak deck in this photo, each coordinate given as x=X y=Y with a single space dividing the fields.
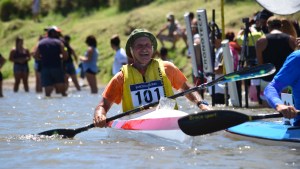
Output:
x=162 y=123
x=266 y=132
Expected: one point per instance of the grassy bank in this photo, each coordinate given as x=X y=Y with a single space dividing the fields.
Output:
x=106 y=22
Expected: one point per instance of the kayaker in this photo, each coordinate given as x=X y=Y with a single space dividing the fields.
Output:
x=128 y=85
x=288 y=75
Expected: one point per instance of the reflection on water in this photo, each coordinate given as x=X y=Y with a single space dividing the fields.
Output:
x=23 y=115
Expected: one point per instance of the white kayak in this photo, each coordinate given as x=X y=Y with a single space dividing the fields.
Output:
x=162 y=123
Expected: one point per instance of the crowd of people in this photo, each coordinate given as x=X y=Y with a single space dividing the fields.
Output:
x=55 y=63
x=268 y=39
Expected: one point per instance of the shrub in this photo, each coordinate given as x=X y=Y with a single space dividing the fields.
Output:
x=21 y=9
x=126 y=5
x=65 y=7
x=7 y=10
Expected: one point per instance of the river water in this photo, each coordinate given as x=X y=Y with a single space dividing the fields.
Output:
x=23 y=114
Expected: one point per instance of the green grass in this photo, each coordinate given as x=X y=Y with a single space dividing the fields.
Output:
x=106 y=22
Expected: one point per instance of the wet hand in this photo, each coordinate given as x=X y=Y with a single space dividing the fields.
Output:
x=298 y=43
x=287 y=111
x=99 y=119
x=204 y=107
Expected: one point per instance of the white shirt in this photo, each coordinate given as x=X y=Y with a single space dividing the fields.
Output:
x=119 y=60
x=219 y=88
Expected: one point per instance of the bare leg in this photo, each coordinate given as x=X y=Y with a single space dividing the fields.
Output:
x=38 y=83
x=75 y=81
x=61 y=88
x=161 y=39
x=25 y=81
x=174 y=39
x=184 y=37
x=91 y=78
x=66 y=82
x=17 y=81
x=48 y=90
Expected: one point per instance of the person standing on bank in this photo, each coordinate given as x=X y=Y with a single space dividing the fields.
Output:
x=125 y=85
x=274 y=48
x=2 y=62
x=51 y=52
x=89 y=63
x=69 y=65
x=20 y=56
x=120 y=58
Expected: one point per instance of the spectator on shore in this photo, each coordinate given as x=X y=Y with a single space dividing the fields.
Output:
x=69 y=65
x=20 y=56
x=2 y=62
x=120 y=57
x=37 y=68
x=89 y=63
x=248 y=51
x=235 y=48
x=51 y=53
x=219 y=95
x=261 y=21
x=175 y=32
x=35 y=7
x=288 y=27
x=274 y=48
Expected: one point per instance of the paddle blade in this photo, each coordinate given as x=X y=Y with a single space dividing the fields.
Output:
x=210 y=121
x=66 y=133
x=249 y=73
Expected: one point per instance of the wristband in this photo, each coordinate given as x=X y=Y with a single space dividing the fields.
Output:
x=202 y=102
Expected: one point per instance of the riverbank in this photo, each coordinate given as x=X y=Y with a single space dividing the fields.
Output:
x=104 y=23
x=8 y=83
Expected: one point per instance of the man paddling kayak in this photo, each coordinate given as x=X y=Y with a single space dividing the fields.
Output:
x=288 y=75
x=144 y=81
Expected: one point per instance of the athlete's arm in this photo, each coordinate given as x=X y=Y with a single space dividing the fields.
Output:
x=101 y=111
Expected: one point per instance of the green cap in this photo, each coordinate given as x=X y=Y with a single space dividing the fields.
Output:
x=137 y=33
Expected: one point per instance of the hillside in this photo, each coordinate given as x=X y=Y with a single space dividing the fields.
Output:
x=106 y=22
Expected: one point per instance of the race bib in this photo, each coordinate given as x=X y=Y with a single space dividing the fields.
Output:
x=145 y=93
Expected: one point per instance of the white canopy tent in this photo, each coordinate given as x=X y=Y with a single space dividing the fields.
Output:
x=281 y=7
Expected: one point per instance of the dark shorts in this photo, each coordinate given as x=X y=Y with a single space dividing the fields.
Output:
x=21 y=68
x=90 y=72
x=70 y=68
x=51 y=76
x=1 y=77
x=37 y=66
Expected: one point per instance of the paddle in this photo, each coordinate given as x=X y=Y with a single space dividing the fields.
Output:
x=253 y=72
x=216 y=120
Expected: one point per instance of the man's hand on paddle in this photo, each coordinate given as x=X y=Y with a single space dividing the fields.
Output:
x=298 y=43
x=204 y=107
x=99 y=119
x=287 y=111
x=100 y=113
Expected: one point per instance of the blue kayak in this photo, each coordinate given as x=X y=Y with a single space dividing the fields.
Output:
x=267 y=132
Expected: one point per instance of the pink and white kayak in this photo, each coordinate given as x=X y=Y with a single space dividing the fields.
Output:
x=161 y=123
